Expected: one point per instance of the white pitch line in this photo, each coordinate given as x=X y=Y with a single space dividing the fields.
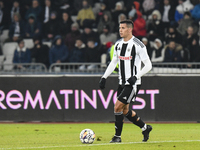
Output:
x=82 y=145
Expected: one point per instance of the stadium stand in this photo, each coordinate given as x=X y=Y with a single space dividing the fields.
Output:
x=100 y=8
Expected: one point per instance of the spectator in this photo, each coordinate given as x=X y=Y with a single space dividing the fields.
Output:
x=51 y=28
x=184 y=6
x=139 y=29
x=65 y=24
x=101 y=12
x=148 y=6
x=72 y=36
x=36 y=10
x=132 y=13
x=196 y=12
x=40 y=52
x=154 y=26
x=190 y=41
x=197 y=55
x=85 y=15
x=78 y=52
x=118 y=10
x=158 y=53
x=4 y=17
x=185 y=23
x=167 y=12
x=120 y=18
x=16 y=9
x=145 y=41
x=21 y=55
x=96 y=9
x=173 y=35
x=136 y=6
x=78 y=4
x=33 y=27
x=16 y=30
x=195 y=51
x=48 y=8
x=105 y=20
x=92 y=55
x=59 y=52
x=88 y=33
x=107 y=36
x=173 y=52
x=92 y=52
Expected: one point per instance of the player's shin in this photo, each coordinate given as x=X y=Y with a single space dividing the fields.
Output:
x=136 y=120
x=119 y=118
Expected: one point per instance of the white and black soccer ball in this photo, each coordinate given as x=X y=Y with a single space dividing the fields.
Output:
x=87 y=136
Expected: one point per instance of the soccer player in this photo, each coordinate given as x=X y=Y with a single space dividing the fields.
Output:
x=129 y=53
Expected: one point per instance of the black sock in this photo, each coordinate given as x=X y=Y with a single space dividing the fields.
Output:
x=119 y=117
x=135 y=120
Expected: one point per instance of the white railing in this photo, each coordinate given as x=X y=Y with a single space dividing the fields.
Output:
x=93 y=68
x=23 y=68
x=176 y=68
x=158 y=68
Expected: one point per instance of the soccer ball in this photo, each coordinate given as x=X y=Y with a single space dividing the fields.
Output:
x=87 y=136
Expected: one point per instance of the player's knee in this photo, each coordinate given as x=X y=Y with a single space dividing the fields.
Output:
x=117 y=109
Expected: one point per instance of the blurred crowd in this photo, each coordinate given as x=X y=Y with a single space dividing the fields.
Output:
x=84 y=30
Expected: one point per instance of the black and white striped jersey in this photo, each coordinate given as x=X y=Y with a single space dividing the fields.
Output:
x=129 y=55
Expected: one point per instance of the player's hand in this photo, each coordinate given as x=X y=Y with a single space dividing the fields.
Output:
x=102 y=83
x=132 y=80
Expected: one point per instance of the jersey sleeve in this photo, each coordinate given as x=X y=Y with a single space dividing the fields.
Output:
x=146 y=61
x=143 y=53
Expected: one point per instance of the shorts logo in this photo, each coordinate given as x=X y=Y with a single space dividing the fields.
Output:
x=125 y=58
x=124 y=98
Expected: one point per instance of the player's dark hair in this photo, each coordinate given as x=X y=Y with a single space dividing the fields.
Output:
x=128 y=22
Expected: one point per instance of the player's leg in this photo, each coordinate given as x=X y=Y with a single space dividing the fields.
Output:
x=119 y=120
x=133 y=117
x=119 y=117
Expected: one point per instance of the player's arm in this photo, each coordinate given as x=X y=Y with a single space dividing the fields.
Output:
x=147 y=66
x=111 y=67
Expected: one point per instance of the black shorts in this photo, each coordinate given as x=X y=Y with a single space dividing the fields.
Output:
x=127 y=93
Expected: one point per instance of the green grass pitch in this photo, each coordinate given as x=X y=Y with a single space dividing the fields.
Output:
x=61 y=136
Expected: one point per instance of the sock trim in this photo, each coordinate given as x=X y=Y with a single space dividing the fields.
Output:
x=144 y=128
x=118 y=113
x=117 y=136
